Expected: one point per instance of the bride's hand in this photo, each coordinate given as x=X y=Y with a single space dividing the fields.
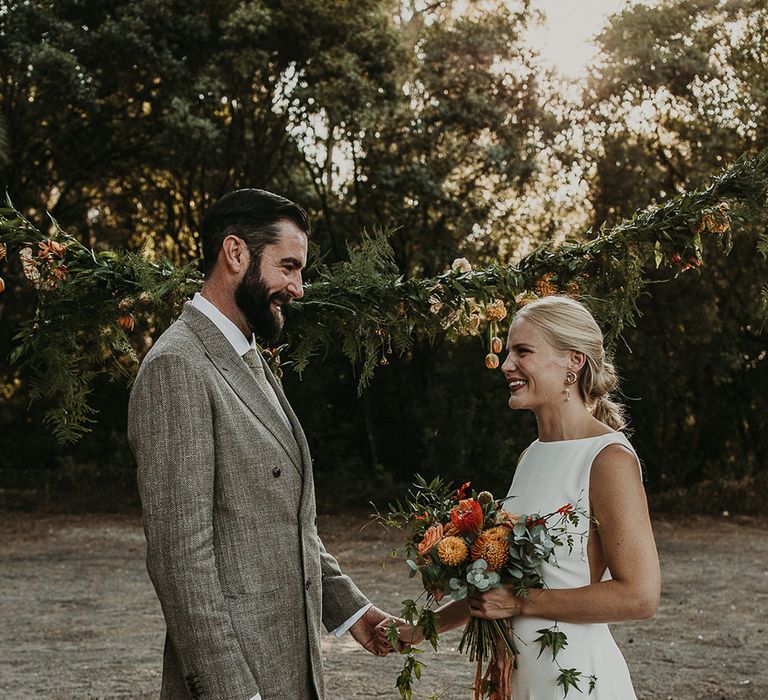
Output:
x=496 y=604
x=407 y=635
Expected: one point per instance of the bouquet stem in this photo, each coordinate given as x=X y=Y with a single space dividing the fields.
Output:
x=491 y=641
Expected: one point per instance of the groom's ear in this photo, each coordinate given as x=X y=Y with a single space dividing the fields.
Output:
x=234 y=255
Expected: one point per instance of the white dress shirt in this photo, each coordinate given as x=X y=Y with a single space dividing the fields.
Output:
x=241 y=344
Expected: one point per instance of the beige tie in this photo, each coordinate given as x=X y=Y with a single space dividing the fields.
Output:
x=251 y=358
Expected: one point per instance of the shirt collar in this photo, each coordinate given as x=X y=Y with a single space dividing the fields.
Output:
x=228 y=329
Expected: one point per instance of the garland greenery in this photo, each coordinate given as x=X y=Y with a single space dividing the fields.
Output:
x=96 y=312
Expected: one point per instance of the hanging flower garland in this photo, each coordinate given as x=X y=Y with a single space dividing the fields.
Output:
x=98 y=311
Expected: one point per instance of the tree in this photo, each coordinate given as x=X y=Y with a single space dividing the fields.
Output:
x=133 y=116
x=679 y=88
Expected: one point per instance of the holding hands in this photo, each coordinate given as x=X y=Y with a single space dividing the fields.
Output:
x=495 y=604
x=366 y=631
x=407 y=636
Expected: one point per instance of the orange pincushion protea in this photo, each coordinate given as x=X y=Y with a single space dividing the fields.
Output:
x=452 y=551
x=492 y=547
x=496 y=533
x=431 y=537
x=467 y=516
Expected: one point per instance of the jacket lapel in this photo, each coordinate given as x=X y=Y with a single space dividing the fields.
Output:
x=243 y=383
x=298 y=432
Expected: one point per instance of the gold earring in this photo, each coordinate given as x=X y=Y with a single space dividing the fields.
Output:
x=570 y=378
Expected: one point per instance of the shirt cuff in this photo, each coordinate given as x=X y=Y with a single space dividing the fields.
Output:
x=344 y=627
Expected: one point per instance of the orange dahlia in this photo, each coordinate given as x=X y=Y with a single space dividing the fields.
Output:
x=431 y=537
x=491 y=547
x=467 y=516
x=452 y=551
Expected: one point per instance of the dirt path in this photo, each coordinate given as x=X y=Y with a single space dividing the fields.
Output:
x=79 y=619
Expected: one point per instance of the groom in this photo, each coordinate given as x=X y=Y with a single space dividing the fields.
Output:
x=225 y=477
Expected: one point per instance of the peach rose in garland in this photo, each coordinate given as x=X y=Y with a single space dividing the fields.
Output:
x=60 y=273
x=467 y=516
x=51 y=248
x=431 y=537
x=29 y=265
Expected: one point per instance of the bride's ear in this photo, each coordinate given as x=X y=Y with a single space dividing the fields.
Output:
x=576 y=361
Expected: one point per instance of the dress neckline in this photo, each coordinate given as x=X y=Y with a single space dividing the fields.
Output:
x=561 y=442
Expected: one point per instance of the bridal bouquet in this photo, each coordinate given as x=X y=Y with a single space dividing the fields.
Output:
x=460 y=542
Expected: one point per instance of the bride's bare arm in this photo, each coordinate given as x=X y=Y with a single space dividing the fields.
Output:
x=452 y=615
x=619 y=505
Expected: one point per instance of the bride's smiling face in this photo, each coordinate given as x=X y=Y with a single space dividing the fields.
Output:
x=535 y=371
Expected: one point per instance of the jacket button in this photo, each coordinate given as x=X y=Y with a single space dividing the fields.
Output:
x=307 y=584
x=276 y=472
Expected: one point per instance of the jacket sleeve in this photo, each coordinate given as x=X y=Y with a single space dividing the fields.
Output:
x=341 y=597
x=170 y=430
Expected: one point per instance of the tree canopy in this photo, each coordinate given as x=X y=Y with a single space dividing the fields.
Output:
x=436 y=123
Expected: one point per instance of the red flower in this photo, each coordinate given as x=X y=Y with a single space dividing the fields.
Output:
x=423 y=517
x=564 y=510
x=467 y=516
x=461 y=491
x=676 y=259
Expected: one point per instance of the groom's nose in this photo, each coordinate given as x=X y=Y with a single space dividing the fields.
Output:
x=296 y=286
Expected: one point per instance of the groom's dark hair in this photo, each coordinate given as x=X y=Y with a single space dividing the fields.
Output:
x=249 y=214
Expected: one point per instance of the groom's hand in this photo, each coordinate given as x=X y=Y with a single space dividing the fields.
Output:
x=364 y=632
x=407 y=634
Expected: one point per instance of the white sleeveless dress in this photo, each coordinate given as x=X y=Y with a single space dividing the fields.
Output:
x=549 y=475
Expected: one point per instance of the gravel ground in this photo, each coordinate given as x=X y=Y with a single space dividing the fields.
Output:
x=79 y=619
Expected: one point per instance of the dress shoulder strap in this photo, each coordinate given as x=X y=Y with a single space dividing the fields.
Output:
x=615 y=438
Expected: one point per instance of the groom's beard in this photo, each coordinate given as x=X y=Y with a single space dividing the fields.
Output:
x=255 y=302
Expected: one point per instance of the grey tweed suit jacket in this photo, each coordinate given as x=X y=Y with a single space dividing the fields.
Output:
x=228 y=504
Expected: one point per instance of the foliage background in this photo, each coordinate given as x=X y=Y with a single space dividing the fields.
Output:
x=125 y=121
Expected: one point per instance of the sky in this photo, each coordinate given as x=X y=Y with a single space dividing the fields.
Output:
x=565 y=38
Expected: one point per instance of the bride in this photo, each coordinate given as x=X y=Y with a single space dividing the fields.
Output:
x=556 y=367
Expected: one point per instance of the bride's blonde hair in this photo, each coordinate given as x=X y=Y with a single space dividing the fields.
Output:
x=569 y=326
